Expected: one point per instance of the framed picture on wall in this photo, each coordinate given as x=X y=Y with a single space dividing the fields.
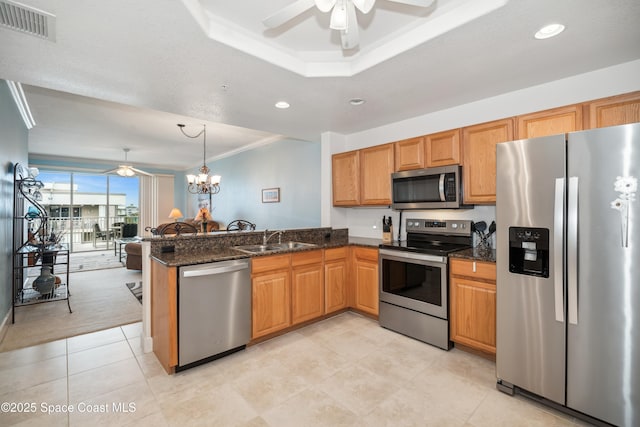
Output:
x=271 y=195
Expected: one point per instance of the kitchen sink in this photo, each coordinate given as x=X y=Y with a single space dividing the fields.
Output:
x=295 y=245
x=272 y=247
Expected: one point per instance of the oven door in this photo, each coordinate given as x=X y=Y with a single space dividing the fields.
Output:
x=415 y=281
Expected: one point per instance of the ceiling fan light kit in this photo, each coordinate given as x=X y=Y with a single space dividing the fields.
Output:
x=339 y=16
x=343 y=15
x=126 y=170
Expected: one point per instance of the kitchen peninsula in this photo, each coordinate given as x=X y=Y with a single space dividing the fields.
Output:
x=290 y=288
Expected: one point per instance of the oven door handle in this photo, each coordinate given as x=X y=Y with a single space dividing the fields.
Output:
x=443 y=197
x=412 y=255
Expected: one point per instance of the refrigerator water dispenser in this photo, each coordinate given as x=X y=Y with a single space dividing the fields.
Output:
x=529 y=251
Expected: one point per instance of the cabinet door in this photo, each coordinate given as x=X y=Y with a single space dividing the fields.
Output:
x=335 y=280
x=376 y=166
x=307 y=287
x=409 y=154
x=443 y=148
x=473 y=313
x=479 y=154
x=613 y=111
x=270 y=303
x=550 y=122
x=345 y=174
x=365 y=278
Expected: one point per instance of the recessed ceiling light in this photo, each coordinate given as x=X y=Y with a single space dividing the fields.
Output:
x=549 y=31
x=282 y=104
x=356 y=101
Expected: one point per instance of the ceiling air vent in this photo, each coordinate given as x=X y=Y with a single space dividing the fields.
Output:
x=26 y=19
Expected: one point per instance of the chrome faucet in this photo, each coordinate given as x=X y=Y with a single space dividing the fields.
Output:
x=265 y=239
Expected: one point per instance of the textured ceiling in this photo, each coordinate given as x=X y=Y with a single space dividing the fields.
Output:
x=147 y=64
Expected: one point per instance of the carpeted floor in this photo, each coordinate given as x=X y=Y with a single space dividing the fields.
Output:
x=99 y=300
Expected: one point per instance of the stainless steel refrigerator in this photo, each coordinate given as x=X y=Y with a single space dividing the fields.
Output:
x=568 y=260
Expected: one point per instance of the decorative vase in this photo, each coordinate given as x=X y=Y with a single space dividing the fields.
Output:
x=204 y=226
x=45 y=282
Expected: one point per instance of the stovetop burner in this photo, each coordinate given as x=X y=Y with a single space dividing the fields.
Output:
x=435 y=237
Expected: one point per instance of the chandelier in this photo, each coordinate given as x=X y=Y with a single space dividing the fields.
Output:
x=202 y=183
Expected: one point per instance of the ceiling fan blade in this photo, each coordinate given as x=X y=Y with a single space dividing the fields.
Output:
x=141 y=172
x=325 y=5
x=110 y=171
x=420 y=3
x=350 y=37
x=364 y=6
x=287 y=13
x=114 y=171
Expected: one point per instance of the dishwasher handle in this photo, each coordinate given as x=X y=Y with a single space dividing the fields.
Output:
x=210 y=271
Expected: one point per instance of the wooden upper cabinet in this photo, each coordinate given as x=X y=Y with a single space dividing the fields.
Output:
x=409 y=154
x=345 y=171
x=443 y=148
x=550 y=122
x=613 y=111
x=376 y=167
x=479 y=159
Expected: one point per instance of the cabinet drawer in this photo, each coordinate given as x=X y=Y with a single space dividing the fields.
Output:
x=306 y=257
x=475 y=269
x=366 y=253
x=335 y=253
x=268 y=263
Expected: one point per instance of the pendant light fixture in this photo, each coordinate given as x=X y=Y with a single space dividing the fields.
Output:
x=202 y=183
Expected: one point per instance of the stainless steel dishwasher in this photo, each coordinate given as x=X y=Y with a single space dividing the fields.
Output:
x=214 y=311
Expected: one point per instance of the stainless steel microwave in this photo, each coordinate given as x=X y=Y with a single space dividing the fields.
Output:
x=430 y=188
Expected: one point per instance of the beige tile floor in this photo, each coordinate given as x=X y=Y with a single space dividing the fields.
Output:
x=344 y=371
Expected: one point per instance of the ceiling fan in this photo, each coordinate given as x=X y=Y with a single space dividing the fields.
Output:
x=343 y=15
x=126 y=170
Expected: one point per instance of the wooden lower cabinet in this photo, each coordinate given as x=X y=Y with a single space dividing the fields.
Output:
x=164 y=314
x=365 y=279
x=473 y=304
x=335 y=279
x=270 y=294
x=307 y=286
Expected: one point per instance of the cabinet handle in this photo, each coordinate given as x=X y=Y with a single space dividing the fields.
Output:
x=474 y=266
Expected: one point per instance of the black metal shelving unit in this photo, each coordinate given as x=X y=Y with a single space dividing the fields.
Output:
x=34 y=247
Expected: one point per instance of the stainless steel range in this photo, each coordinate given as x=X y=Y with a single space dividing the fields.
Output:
x=414 y=279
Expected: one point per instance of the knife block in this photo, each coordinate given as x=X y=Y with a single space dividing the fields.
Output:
x=387 y=234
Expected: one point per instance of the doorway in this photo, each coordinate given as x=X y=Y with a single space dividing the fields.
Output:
x=90 y=212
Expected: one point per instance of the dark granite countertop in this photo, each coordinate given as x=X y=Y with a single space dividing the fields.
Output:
x=475 y=254
x=176 y=259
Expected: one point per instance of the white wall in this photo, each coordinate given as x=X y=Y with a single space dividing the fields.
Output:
x=366 y=222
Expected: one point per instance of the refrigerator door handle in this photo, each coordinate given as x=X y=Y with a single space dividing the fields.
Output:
x=572 y=250
x=558 y=233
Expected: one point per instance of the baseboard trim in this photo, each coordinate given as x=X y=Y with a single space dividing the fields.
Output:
x=147 y=344
x=4 y=326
